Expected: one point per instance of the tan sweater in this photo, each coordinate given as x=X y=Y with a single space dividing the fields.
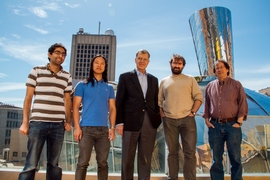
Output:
x=177 y=94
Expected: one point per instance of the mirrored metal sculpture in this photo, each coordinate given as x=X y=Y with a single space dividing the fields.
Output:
x=211 y=30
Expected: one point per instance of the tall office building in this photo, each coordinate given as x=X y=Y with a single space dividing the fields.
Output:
x=85 y=46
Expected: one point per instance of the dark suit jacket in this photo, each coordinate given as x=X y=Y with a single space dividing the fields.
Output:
x=130 y=102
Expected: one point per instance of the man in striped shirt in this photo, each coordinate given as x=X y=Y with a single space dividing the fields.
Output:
x=50 y=85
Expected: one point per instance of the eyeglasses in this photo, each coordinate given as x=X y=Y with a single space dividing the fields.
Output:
x=141 y=59
x=58 y=53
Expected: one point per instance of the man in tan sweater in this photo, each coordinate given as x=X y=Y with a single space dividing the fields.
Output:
x=179 y=99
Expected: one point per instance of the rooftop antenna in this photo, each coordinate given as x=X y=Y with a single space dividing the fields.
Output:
x=99 y=28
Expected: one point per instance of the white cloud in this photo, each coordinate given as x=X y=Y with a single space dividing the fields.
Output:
x=41 y=31
x=263 y=69
x=72 y=5
x=255 y=83
x=141 y=42
x=21 y=50
x=9 y=86
x=16 y=36
x=41 y=12
x=260 y=68
x=2 y=75
x=17 y=12
x=38 y=11
x=51 y=6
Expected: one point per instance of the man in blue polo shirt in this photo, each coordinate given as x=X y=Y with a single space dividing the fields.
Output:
x=91 y=129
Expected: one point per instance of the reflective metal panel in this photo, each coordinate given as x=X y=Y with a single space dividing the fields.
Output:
x=211 y=30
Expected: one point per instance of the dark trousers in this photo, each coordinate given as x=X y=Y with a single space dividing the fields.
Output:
x=96 y=137
x=145 y=140
x=186 y=128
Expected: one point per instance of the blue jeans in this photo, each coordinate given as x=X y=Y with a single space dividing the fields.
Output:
x=224 y=132
x=96 y=136
x=187 y=129
x=39 y=132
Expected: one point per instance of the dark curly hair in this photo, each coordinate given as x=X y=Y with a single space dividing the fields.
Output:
x=54 y=46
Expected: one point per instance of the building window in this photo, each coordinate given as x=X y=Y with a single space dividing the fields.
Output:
x=7 y=141
x=15 y=154
x=23 y=154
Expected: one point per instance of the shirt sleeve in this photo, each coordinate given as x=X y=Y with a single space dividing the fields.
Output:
x=32 y=78
x=69 y=85
x=111 y=96
x=196 y=91
x=79 y=89
x=242 y=101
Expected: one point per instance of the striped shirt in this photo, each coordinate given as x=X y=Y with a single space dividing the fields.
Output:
x=48 y=105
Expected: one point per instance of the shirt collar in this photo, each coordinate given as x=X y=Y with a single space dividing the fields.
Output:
x=223 y=82
x=48 y=68
x=139 y=73
x=101 y=81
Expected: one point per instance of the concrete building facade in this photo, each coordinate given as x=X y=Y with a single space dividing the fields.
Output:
x=85 y=46
x=10 y=118
x=265 y=91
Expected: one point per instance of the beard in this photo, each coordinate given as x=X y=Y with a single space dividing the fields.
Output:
x=176 y=70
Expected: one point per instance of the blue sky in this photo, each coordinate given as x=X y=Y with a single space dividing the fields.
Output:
x=29 y=27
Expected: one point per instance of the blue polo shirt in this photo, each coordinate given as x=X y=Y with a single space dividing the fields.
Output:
x=95 y=102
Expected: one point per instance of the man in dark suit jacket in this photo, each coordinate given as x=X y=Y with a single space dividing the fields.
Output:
x=137 y=117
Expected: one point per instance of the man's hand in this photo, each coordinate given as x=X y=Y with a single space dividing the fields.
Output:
x=111 y=135
x=78 y=134
x=24 y=129
x=161 y=112
x=209 y=124
x=68 y=126
x=120 y=129
x=236 y=125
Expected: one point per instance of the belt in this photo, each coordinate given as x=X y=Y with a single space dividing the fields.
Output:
x=223 y=120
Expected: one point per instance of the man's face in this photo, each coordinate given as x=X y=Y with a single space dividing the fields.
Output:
x=58 y=56
x=99 y=65
x=142 y=61
x=221 y=70
x=177 y=66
